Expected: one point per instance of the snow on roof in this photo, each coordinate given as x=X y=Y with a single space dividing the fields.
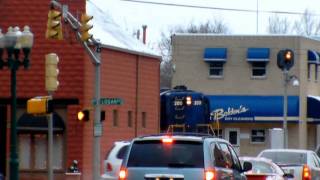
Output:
x=110 y=34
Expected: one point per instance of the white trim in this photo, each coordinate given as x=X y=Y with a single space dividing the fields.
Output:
x=280 y=118
x=257 y=60
x=215 y=59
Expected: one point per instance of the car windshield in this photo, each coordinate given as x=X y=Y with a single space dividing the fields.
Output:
x=283 y=158
x=157 y=154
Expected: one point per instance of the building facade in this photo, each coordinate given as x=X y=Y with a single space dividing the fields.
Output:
x=245 y=86
x=129 y=71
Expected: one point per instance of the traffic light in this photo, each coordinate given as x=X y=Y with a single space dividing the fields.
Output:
x=54 y=26
x=52 y=72
x=285 y=59
x=39 y=105
x=85 y=27
x=83 y=115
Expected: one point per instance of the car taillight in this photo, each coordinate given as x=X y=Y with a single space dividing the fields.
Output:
x=306 y=173
x=167 y=140
x=210 y=174
x=123 y=174
x=109 y=167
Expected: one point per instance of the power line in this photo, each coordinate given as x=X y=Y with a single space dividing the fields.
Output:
x=217 y=8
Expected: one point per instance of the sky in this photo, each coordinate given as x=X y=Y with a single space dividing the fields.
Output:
x=132 y=14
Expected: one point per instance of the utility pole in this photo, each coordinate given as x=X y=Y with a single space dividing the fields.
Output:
x=81 y=30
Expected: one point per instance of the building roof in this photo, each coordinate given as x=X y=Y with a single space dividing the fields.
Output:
x=111 y=35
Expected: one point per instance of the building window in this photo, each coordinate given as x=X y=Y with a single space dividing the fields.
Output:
x=218 y=133
x=309 y=71
x=216 y=69
x=33 y=151
x=259 y=69
x=144 y=120
x=129 y=118
x=258 y=136
x=115 y=117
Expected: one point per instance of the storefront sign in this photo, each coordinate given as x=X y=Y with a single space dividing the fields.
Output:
x=220 y=113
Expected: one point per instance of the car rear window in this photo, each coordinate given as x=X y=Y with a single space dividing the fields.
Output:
x=283 y=158
x=122 y=152
x=157 y=154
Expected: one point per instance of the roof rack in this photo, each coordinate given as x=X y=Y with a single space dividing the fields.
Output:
x=180 y=134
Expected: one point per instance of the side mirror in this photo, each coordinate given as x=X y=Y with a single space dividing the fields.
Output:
x=246 y=166
x=288 y=176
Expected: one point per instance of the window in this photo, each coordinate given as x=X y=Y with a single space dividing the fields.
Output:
x=115 y=118
x=33 y=151
x=258 y=136
x=216 y=69
x=129 y=118
x=227 y=155
x=309 y=71
x=259 y=69
x=316 y=72
x=144 y=119
x=218 y=133
x=236 y=162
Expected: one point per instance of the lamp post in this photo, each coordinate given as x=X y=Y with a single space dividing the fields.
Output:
x=14 y=41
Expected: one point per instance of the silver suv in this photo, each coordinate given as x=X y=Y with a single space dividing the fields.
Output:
x=181 y=157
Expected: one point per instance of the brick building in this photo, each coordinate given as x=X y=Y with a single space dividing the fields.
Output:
x=129 y=71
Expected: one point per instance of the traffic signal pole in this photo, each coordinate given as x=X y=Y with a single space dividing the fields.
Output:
x=95 y=57
x=285 y=108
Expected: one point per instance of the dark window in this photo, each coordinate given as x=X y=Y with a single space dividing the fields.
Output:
x=115 y=117
x=129 y=118
x=219 y=157
x=122 y=152
x=227 y=155
x=218 y=133
x=233 y=137
x=258 y=68
x=216 y=69
x=158 y=154
x=144 y=119
x=236 y=162
x=309 y=71
x=258 y=135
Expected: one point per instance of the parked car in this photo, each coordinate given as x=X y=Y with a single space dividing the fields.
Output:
x=180 y=156
x=114 y=159
x=264 y=169
x=303 y=164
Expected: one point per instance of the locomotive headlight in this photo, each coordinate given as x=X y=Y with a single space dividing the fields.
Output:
x=188 y=100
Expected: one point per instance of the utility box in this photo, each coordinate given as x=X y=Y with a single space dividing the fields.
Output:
x=276 y=138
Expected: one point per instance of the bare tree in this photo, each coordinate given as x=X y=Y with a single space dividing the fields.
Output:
x=278 y=25
x=217 y=26
x=308 y=25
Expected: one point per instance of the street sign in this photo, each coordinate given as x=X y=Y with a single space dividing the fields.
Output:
x=110 y=101
x=97 y=131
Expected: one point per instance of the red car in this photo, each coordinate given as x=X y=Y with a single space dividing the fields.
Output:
x=264 y=169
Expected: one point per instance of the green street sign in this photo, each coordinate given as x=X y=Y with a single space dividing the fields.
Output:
x=110 y=101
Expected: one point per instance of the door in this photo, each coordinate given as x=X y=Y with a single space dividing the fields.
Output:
x=3 y=142
x=233 y=136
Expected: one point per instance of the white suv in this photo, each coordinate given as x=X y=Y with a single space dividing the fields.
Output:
x=113 y=160
x=181 y=157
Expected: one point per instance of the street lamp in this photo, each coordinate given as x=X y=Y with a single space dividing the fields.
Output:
x=13 y=41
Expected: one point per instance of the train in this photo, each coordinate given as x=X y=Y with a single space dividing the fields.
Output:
x=185 y=110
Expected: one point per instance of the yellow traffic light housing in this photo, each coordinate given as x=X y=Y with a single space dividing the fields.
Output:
x=52 y=72
x=54 y=26
x=39 y=105
x=85 y=27
x=83 y=115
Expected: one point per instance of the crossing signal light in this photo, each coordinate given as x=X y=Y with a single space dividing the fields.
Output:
x=52 y=72
x=83 y=115
x=39 y=105
x=285 y=59
x=85 y=27
x=54 y=26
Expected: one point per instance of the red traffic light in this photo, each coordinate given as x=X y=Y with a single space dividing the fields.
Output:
x=83 y=115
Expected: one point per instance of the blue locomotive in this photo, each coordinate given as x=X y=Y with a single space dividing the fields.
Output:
x=183 y=110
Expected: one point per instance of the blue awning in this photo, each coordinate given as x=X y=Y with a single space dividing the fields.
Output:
x=313 y=57
x=215 y=54
x=313 y=110
x=252 y=108
x=258 y=54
